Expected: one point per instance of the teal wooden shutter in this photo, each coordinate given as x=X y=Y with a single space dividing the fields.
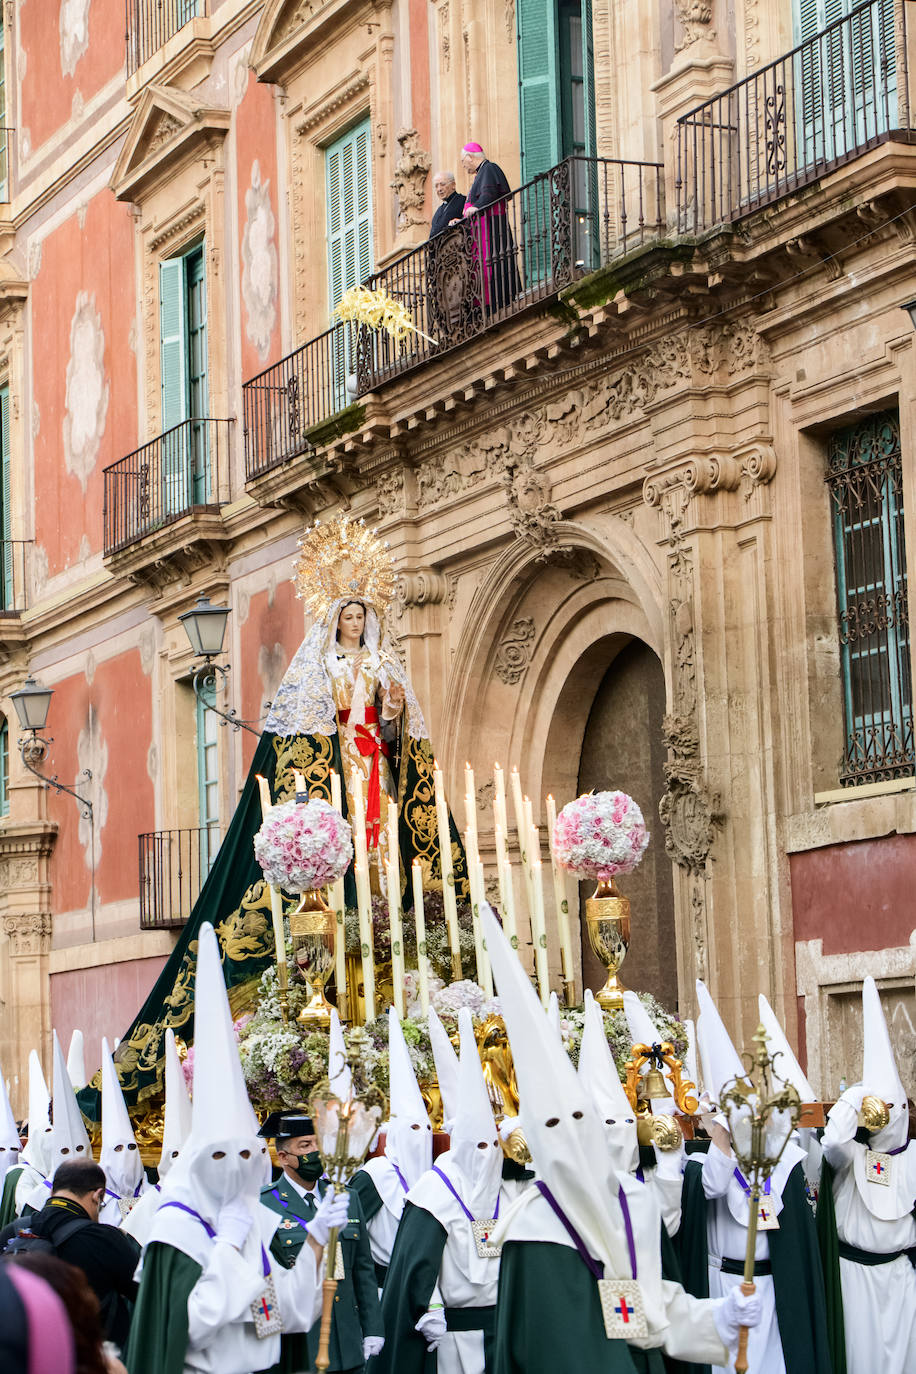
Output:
x=6 y=548
x=207 y=780
x=348 y=164
x=539 y=95
x=4 y=769
x=173 y=353
x=588 y=80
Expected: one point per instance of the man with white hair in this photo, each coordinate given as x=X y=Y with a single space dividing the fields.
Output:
x=451 y=203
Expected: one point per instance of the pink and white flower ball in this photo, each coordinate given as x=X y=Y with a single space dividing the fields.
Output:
x=600 y=835
x=304 y=845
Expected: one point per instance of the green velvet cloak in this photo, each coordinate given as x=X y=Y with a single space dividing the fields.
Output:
x=798 y=1279
x=158 y=1342
x=830 y=1259
x=8 y=1196
x=412 y=1275
x=548 y=1317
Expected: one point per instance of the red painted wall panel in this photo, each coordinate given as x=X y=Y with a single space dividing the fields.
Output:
x=270 y=636
x=256 y=142
x=82 y=299
x=100 y=1001
x=114 y=712
x=855 y=896
x=59 y=61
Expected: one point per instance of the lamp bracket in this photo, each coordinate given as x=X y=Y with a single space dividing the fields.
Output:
x=33 y=748
x=208 y=677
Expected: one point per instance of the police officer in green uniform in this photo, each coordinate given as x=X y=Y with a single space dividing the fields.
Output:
x=356 y=1328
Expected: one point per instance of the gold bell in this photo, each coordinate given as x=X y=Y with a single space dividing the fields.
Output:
x=654 y=1085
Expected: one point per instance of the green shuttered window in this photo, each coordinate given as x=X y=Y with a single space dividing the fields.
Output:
x=207 y=781
x=4 y=768
x=846 y=82
x=183 y=366
x=349 y=203
x=864 y=477
x=556 y=82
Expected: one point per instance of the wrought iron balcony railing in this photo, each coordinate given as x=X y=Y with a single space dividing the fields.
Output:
x=524 y=249
x=826 y=102
x=151 y=23
x=282 y=404
x=579 y=216
x=14 y=576
x=173 y=867
x=178 y=472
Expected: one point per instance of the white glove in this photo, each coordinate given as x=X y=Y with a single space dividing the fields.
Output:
x=432 y=1326
x=508 y=1125
x=738 y=1309
x=233 y=1223
x=372 y=1345
x=332 y=1211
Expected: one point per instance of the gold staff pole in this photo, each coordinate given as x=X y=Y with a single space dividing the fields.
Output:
x=345 y=1127
x=762 y=1113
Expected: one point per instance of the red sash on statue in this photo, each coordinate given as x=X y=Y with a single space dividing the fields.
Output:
x=367 y=744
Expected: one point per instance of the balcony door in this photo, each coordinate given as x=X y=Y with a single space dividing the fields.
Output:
x=846 y=76
x=185 y=476
x=348 y=178
x=207 y=781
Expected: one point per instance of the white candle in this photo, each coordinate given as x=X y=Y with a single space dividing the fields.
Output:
x=367 y=954
x=499 y=798
x=487 y=972
x=420 y=923
x=397 y=938
x=470 y=801
x=299 y=783
x=508 y=900
x=264 y=789
x=358 y=819
x=519 y=809
x=393 y=846
x=539 y=932
x=561 y=901
x=339 y=906
x=448 y=876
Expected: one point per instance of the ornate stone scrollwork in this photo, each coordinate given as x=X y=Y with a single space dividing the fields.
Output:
x=422 y=587
x=514 y=652
x=29 y=932
x=409 y=181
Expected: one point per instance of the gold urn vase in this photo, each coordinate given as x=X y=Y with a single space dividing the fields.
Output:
x=312 y=930
x=607 y=916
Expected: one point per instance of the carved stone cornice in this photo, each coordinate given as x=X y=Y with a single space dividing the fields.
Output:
x=25 y=852
x=289 y=29
x=421 y=587
x=168 y=127
x=672 y=490
x=29 y=933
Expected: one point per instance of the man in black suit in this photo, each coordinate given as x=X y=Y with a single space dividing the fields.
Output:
x=451 y=203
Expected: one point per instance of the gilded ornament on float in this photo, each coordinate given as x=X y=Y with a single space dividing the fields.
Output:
x=343 y=558
x=607 y=918
x=642 y=1089
x=312 y=930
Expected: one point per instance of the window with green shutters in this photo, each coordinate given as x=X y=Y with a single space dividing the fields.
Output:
x=864 y=476
x=556 y=82
x=846 y=83
x=207 y=780
x=348 y=176
x=186 y=475
x=4 y=768
x=6 y=547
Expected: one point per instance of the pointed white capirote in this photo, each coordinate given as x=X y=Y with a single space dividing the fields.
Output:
x=721 y=1061
x=76 y=1061
x=446 y=1061
x=409 y=1133
x=599 y=1076
x=177 y=1124
x=786 y=1066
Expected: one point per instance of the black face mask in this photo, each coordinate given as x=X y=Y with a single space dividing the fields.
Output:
x=309 y=1167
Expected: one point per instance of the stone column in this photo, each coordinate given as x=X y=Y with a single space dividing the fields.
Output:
x=25 y=912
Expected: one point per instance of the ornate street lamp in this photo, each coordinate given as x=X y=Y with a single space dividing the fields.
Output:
x=762 y=1113
x=205 y=626
x=32 y=703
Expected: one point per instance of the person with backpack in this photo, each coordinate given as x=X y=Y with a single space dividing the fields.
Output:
x=68 y=1226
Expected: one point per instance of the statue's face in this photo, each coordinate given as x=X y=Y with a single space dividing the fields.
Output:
x=351 y=623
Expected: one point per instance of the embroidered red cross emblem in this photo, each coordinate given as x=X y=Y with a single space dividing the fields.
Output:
x=622 y=1310
x=764 y=1214
x=878 y=1167
x=266 y=1308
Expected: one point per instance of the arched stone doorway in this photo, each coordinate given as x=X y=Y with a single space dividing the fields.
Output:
x=622 y=750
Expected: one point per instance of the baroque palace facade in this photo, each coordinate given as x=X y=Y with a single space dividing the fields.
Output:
x=653 y=497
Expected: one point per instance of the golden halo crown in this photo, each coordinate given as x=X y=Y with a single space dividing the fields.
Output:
x=343 y=558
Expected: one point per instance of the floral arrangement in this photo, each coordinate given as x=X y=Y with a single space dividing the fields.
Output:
x=377 y=310
x=600 y=835
x=303 y=845
x=438 y=951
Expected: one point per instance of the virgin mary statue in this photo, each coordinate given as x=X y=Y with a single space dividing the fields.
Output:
x=346 y=705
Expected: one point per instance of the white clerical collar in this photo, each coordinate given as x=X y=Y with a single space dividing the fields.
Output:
x=301 y=1188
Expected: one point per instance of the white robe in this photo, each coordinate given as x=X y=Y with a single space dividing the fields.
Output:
x=465 y=1279
x=221 y=1332
x=879 y=1301
x=383 y=1227
x=110 y=1210
x=689 y=1328
x=139 y=1220
x=726 y=1237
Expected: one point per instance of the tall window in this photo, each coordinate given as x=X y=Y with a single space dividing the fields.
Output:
x=847 y=79
x=207 y=782
x=4 y=768
x=186 y=474
x=6 y=547
x=348 y=164
x=556 y=82
x=865 y=482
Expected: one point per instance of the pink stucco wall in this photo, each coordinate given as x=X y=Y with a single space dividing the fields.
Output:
x=100 y=1001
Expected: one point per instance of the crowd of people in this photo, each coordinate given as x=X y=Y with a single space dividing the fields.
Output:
x=552 y=1237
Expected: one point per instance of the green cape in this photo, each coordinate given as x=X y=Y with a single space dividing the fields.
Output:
x=412 y=1276
x=798 y=1279
x=830 y=1260
x=158 y=1341
x=8 y=1197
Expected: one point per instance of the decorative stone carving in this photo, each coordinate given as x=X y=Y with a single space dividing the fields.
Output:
x=391 y=492
x=409 y=181
x=29 y=932
x=165 y=128
x=514 y=652
x=421 y=587
x=695 y=17
x=530 y=510
x=753 y=465
x=509 y=17
x=87 y=387
x=485 y=794
x=260 y=271
x=444 y=41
